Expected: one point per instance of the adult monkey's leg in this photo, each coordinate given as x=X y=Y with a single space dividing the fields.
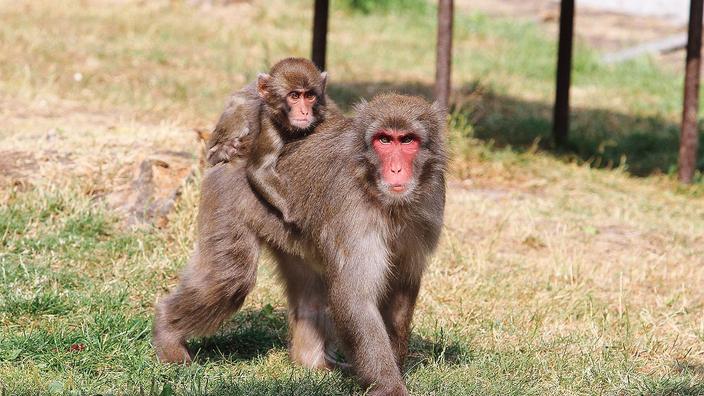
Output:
x=355 y=287
x=397 y=310
x=310 y=329
x=213 y=286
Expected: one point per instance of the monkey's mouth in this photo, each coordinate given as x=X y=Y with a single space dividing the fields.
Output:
x=398 y=188
x=301 y=123
x=397 y=191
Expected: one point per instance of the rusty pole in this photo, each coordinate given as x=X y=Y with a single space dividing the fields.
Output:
x=561 y=111
x=689 y=136
x=443 y=66
x=320 y=32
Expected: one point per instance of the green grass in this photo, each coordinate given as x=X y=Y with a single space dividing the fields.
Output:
x=73 y=324
x=76 y=314
x=75 y=309
x=396 y=6
x=559 y=273
x=622 y=115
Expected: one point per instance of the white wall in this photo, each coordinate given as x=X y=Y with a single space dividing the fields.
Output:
x=676 y=9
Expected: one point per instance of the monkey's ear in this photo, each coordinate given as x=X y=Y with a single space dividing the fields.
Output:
x=438 y=108
x=440 y=115
x=360 y=107
x=263 y=84
x=361 y=118
x=324 y=80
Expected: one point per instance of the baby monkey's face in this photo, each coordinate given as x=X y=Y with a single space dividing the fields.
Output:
x=301 y=103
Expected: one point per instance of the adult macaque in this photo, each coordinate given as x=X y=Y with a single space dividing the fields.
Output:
x=286 y=104
x=369 y=194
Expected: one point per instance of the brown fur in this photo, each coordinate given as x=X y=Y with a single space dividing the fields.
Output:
x=259 y=116
x=237 y=127
x=360 y=256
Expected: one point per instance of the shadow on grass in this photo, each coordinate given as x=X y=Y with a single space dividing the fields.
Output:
x=643 y=144
x=253 y=333
x=435 y=350
x=439 y=362
x=294 y=385
x=248 y=335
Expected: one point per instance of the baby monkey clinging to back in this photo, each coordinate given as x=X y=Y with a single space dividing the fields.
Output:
x=284 y=105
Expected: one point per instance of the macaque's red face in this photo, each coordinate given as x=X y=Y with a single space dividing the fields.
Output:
x=396 y=150
x=301 y=104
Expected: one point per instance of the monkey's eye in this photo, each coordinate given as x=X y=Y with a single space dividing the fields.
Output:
x=406 y=139
x=384 y=139
x=294 y=95
x=310 y=96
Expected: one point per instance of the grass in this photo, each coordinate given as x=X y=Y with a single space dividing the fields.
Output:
x=559 y=273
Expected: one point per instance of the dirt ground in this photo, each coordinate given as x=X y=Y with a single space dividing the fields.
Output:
x=138 y=167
